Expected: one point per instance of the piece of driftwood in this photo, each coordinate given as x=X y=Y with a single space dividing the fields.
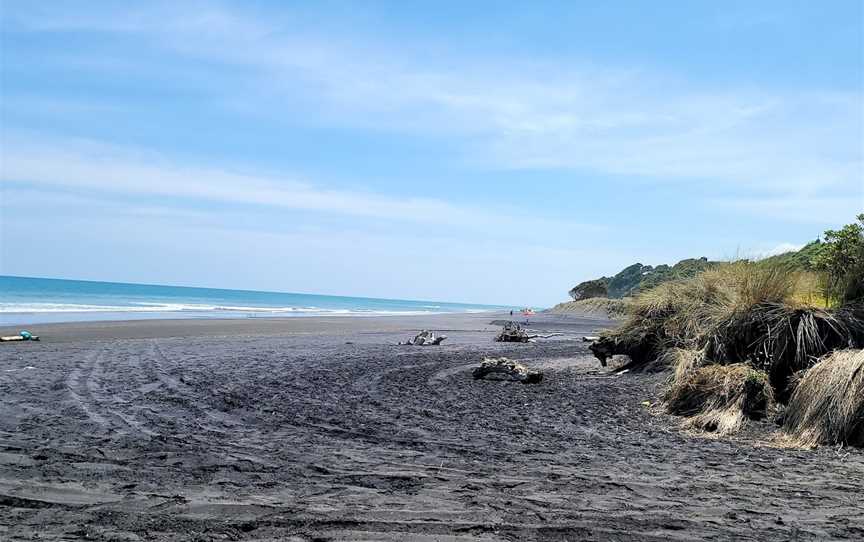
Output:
x=506 y=369
x=590 y=339
x=425 y=338
x=513 y=332
x=23 y=336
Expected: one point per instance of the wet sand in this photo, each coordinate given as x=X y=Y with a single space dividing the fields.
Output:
x=324 y=429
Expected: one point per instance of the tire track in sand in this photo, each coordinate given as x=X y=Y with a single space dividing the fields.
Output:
x=233 y=434
x=78 y=392
x=185 y=392
x=90 y=396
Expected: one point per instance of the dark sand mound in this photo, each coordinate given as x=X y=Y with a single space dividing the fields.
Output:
x=305 y=436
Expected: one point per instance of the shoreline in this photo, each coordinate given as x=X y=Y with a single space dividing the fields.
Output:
x=8 y=319
x=275 y=326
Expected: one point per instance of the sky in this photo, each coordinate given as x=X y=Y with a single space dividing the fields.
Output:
x=486 y=152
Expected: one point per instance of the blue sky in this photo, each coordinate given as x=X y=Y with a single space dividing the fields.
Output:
x=467 y=151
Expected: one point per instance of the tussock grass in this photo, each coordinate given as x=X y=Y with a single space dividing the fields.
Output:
x=720 y=397
x=686 y=313
x=738 y=312
x=682 y=362
x=728 y=331
x=782 y=339
x=690 y=309
x=827 y=406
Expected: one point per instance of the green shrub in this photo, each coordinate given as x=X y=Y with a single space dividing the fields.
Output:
x=841 y=259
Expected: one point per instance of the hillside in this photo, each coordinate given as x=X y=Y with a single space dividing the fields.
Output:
x=637 y=277
x=599 y=306
x=801 y=260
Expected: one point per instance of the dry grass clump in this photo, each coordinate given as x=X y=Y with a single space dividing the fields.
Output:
x=682 y=362
x=782 y=339
x=738 y=312
x=734 y=336
x=684 y=314
x=691 y=309
x=827 y=406
x=720 y=397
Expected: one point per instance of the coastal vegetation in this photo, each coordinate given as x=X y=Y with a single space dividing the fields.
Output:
x=828 y=403
x=720 y=397
x=745 y=339
x=841 y=261
x=637 y=277
x=612 y=308
x=838 y=259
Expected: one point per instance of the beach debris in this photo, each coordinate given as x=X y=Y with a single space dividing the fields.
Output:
x=513 y=332
x=590 y=339
x=24 y=335
x=507 y=369
x=425 y=338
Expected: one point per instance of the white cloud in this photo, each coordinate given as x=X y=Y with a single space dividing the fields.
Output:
x=776 y=153
x=99 y=169
x=782 y=248
x=832 y=208
x=514 y=114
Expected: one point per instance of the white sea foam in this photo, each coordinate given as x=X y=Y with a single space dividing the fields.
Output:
x=154 y=307
x=65 y=307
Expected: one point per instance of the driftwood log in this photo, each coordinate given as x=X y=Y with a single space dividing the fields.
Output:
x=512 y=332
x=506 y=369
x=23 y=336
x=425 y=338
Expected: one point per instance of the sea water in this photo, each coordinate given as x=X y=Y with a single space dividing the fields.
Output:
x=40 y=300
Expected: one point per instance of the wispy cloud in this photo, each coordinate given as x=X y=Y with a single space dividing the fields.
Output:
x=100 y=169
x=782 y=154
x=516 y=114
x=782 y=248
x=829 y=207
x=206 y=248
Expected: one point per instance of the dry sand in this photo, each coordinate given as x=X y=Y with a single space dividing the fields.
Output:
x=323 y=429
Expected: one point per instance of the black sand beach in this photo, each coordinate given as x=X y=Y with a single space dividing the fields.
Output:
x=324 y=429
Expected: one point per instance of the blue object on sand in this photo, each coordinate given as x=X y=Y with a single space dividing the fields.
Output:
x=26 y=334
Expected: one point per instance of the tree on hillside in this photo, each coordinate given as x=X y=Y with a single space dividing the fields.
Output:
x=590 y=288
x=841 y=259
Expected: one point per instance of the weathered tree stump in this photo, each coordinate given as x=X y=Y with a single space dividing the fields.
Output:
x=512 y=332
x=506 y=369
x=425 y=338
x=639 y=347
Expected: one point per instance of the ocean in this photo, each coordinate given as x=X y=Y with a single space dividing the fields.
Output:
x=39 y=300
